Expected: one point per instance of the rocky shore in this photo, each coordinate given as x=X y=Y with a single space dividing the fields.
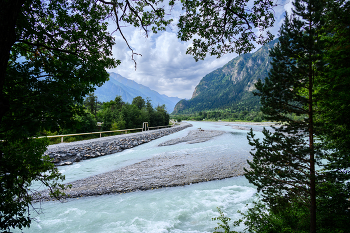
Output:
x=165 y=170
x=68 y=153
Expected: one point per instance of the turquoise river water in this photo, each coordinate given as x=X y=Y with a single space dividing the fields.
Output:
x=187 y=208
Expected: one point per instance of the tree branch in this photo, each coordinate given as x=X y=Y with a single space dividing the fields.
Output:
x=50 y=48
x=121 y=33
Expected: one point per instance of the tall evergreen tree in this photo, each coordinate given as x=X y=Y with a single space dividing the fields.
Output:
x=334 y=119
x=283 y=165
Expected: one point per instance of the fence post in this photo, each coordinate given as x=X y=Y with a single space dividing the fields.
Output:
x=62 y=139
x=145 y=126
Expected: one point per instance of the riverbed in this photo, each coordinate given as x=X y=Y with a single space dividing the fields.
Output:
x=186 y=208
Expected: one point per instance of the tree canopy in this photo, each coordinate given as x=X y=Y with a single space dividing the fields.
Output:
x=128 y=116
x=139 y=102
x=54 y=53
x=219 y=27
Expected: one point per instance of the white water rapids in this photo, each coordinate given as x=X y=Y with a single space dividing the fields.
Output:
x=187 y=208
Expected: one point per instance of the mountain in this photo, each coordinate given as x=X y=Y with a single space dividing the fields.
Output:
x=231 y=85
x=128 y=89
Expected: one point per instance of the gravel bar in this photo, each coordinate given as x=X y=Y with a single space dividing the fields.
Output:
x=68 y=153
x=194 y=136
x=164 y=170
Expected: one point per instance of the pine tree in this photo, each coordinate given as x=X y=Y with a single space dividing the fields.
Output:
x=334 y=119
x=283 y=165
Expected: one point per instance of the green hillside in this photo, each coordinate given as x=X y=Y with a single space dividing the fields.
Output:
x=230 y=86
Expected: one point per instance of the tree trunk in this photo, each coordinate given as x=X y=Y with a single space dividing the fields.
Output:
x=312 y=157
x=9 y=12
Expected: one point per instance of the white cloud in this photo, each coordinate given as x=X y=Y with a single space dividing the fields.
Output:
x=164 y=65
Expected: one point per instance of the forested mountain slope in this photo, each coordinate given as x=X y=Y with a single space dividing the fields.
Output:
x=230 y=85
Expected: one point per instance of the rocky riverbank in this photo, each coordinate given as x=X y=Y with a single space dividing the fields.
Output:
x=165 y=170
x=68 y=153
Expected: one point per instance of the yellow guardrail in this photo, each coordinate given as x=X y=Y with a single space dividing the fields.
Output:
x=101 y=132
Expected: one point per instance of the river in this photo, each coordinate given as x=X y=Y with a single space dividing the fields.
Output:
x=188 y=208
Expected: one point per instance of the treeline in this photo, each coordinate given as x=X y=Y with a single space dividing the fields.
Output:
x=237 y=112
x=245 y=101
x=227 y=115
x=114 y=115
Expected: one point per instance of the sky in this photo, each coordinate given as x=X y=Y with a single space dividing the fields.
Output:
x=164 y=65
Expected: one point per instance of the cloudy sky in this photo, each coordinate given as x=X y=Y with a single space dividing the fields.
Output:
x=164 y=65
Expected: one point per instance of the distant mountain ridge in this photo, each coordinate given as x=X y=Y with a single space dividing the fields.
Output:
x=231 y=84
x=129 y=89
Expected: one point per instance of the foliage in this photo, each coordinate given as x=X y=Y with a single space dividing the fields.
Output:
x=131 y=114
x=119 y=115
x=293 y=218
x=53 y=55
x=21 y=164
x=259 y=218
x=90 y=102
x=309 y=78
x=139 y=102
x=223 y=222
x=283 y=165
x=161 y=117
x=235 y=114
x=110 y=112
x=220 y=27
x=333 y=120
x=85 y=122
